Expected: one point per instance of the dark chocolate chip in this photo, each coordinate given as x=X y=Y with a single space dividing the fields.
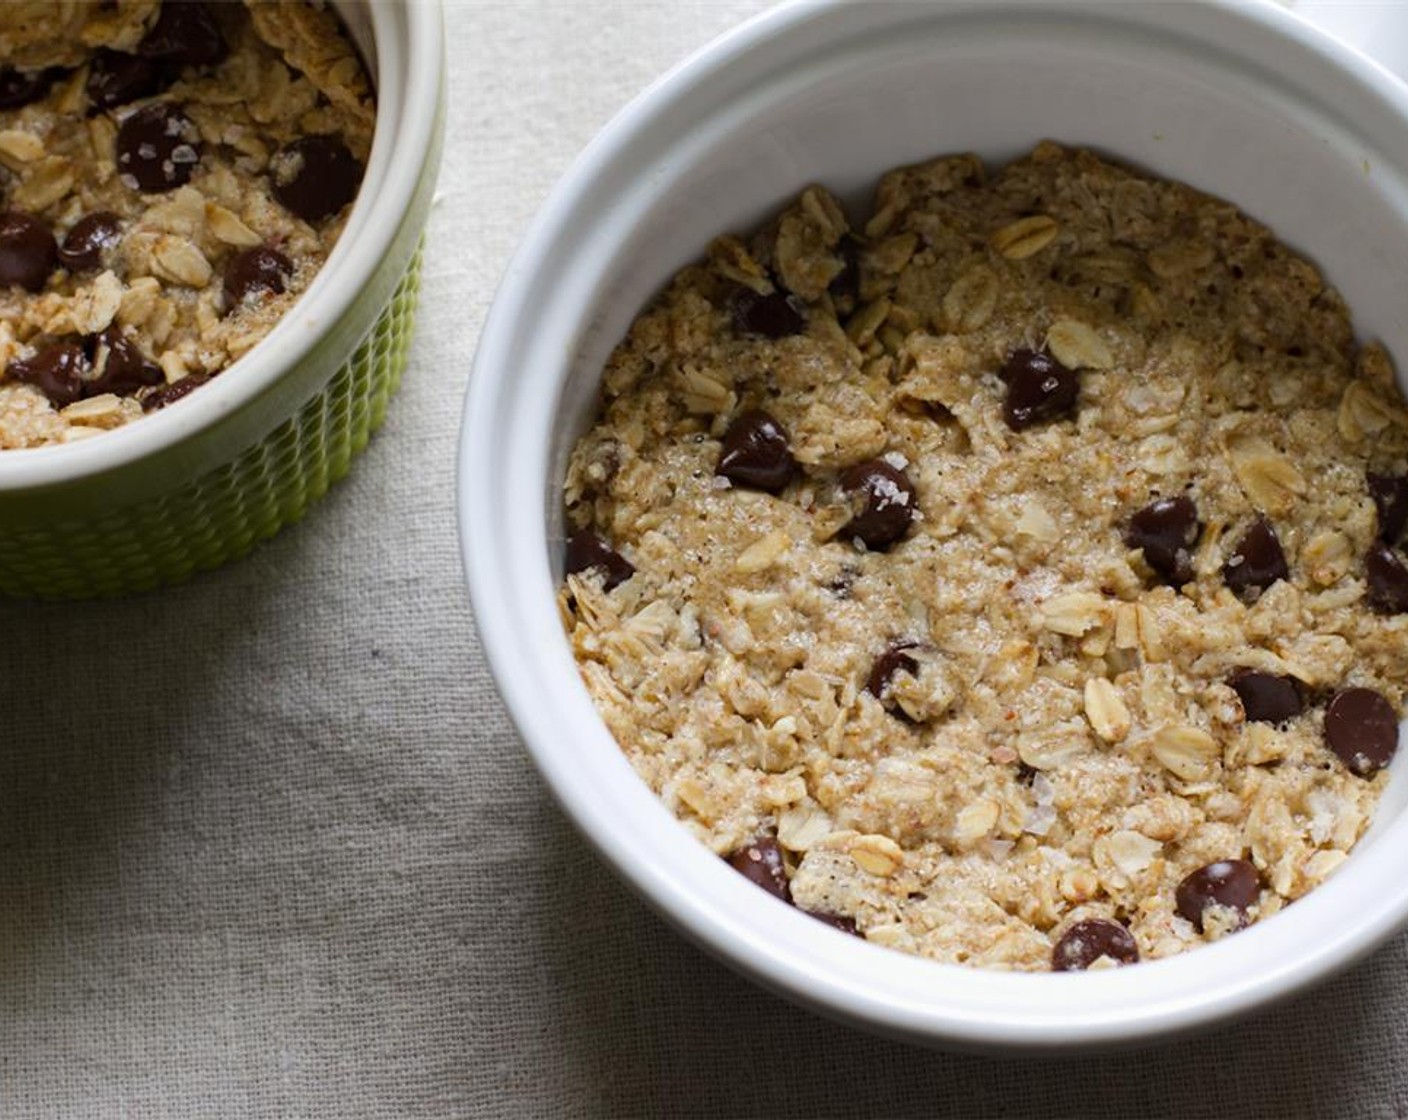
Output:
x=56 y=371
x=27 y=251
x=158 y=148
x=1167 y=530
x=1257 y=560
x=185 y=33
x=772 y=316
x=19 y=88
x=170 y=394
x=1390 y=494
x=1387 y=577
x=755 y=452
x=1086 y=942
x=120 y=365
x=315 y=177
x=884 y=500
x=1233 y=883
x=893 y=660
x=760 y=862
x=1361 y=727
x=85 y=246
x=835 y=921
x=587 y=550
x=1266 y=698
x=1039 y=388
x=257 y=271
x=115 y=78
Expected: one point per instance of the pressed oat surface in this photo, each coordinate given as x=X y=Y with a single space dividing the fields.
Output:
x=1018 y=715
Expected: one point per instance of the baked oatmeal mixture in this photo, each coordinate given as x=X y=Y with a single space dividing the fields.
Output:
x=172 y=177
x=1015 y=579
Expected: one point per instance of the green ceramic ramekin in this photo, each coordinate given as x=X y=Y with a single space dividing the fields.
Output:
x=203 y=480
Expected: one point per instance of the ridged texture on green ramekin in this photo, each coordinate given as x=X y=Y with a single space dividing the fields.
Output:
x=226 y=511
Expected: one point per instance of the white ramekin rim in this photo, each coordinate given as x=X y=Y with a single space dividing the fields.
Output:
x=409 y=63
x=883 y=990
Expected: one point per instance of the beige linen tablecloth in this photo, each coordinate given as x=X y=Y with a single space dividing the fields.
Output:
x=269 y=846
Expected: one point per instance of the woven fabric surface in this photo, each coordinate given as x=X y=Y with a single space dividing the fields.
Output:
x=269 y=846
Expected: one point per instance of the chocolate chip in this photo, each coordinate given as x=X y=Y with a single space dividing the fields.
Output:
x=893 y=660
x=27 y=251
x=1167 y=530
x=1390 y=494
x=772 y=316
x=86 y=244
x=755 y=452
x=1266 y=698
x=315 y=177
x=1232 y=883
x=1361 y=727
x=1039 y=388
x=760 y=862
x=19 y=88
x=170 y=394
x=185 y=33
x=1086 y=942
x=56 y=371
x=256 y=271
x=884 y=499
x=120 y=365
x=1387 y=578
x=1257 y=560
x=835 y=921
x=158 y=148
x=115 y=78
x=586 y=550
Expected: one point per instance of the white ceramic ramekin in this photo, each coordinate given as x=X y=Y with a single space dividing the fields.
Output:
x=1242 y=100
